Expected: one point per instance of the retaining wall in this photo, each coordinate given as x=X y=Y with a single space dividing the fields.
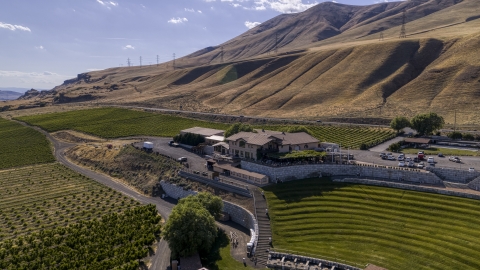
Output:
x=475 y=184
x=237 y=213
x=295 y=172
x=408 y=187
x=453 y=175
x=275 y=262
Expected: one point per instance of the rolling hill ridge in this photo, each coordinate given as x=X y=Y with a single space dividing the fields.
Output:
x=331 y=64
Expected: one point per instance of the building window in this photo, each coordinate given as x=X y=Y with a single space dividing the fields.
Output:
x=306 y=146
x=241 y=153
x=242 y=144
x=247 y=154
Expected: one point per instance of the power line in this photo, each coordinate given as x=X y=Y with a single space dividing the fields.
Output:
x=129 y=63
x=140 y=61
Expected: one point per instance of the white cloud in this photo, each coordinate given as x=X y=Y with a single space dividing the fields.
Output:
x=14 y=27
x=129 y=47
x=178 y=20
x=209 y=0
x=40 y=47
x=48 y=73
x=199 y=11
x=189 y=9
x=107 y=4
x=251 y=25
x=235 y=5
x=283 y=6
x=94 y=69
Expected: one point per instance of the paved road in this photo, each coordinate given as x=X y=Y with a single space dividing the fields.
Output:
x=383 y=146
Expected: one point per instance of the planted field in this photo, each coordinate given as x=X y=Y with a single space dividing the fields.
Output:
x=358 y=224
x=347 y=137
x=48 y=196
x=22 y=146
x=116 y=123
x=114 y=241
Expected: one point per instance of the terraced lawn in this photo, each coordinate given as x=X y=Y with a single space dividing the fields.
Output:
x=359 y=224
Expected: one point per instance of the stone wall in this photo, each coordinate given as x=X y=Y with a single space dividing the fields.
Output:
x=408 y=187
x=175 y=191
x=237 y=213
x=284 y=261
x=475 y=184
x=296 y=172
x=454 y=175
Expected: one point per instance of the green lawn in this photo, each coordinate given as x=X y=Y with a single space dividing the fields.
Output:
x=21 y=146
x=219 y=258
x=392 y=228
x=444 y=151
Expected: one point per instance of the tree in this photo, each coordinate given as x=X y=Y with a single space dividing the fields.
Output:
x=236 y=128
x=425 y=124
x=399 y=123
x=212 y=203
x=298 y=129
x=455 y=135
x=189 y=229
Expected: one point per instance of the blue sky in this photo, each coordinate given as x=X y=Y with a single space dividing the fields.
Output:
x=43 y=43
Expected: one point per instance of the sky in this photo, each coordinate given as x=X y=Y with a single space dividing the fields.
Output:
x=43 y=43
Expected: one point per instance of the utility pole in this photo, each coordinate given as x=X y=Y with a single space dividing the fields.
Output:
x=157 y=60
x=403 y=31
x=455 y=123
x=129 y=63
x=381 y=36
x=173 y=61
x=140 y=61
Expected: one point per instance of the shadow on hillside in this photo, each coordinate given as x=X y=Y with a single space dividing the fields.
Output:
x=295 y=191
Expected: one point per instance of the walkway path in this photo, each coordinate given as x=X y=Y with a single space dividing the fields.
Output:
x=383 y=146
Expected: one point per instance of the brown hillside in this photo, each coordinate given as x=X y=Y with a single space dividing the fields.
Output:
x=351 y=74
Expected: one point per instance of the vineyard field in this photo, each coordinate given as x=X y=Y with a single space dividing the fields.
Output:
x=346 y=136
x=47 y=196
x=115 y=123
x=114 y=241
x=21 y=146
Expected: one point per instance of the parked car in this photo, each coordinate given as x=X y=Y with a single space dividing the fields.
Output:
x=421 y=165
x=391 y=157
x=471 y=170
x=384 y=157
x=401 y=164
x=421 y=155
x=196 y=172
x=440 y=155
x=430 y=160
x=408 y=159
x=182 y=159
x=204 y=173
x=454 y=159
x=171 y=143
x=415 y=159
x=400 y=158
x=319 y=121
x=411 y=164
x=382 y=154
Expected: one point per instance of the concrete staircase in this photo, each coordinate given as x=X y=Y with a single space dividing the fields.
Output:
x=263 y=227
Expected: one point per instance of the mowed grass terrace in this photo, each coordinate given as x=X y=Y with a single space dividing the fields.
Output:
x=358 y=224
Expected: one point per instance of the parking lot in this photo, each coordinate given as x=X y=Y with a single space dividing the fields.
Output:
x=374 y=158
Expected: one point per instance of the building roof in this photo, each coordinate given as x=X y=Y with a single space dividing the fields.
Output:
x=191 y=263
x=417 y=140
x=216 y=138
x=206 y=132
x=265 y=136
